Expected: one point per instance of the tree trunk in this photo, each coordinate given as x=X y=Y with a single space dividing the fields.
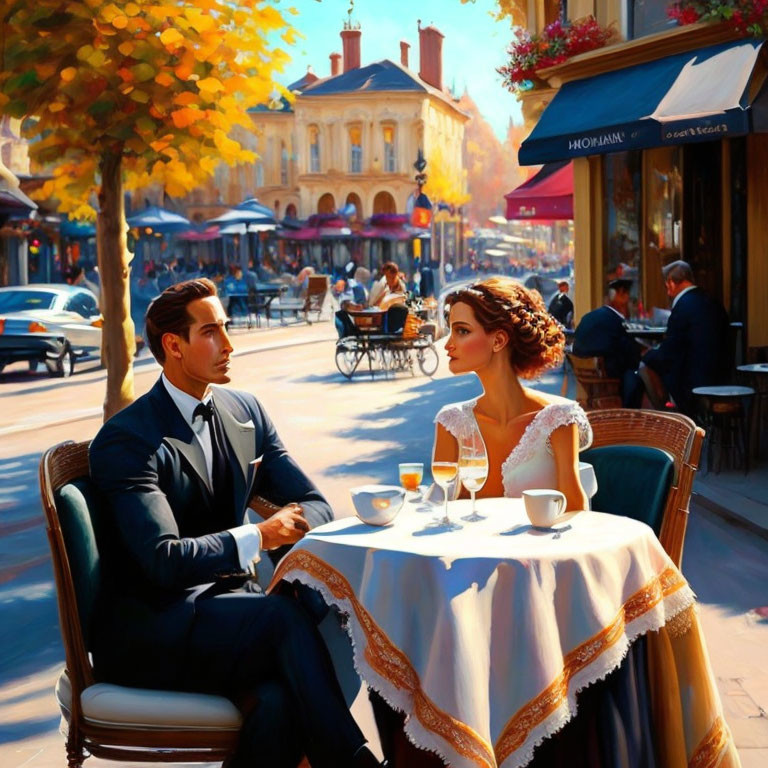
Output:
x=119 y=338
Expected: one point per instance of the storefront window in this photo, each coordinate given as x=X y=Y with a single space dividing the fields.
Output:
x=622 y=186
x=663 y=219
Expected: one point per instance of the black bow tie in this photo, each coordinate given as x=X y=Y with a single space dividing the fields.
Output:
x=204 y=410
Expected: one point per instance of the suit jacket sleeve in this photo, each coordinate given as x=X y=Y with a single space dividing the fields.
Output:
x=671 y=350
x=281 y=480
x=127 y=471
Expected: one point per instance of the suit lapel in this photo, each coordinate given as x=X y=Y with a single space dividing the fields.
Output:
x=242 y=439
x=178 y=433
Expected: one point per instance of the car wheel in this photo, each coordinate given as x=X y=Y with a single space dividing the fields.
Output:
x=64 y=365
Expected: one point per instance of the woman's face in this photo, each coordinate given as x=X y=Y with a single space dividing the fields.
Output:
x=469 y=347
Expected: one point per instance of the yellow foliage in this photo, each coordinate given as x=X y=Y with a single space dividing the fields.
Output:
x=445 y=183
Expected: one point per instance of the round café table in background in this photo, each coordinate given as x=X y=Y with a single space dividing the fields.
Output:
x=757 y=377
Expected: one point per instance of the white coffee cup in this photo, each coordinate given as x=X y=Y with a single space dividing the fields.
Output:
x=543 y=506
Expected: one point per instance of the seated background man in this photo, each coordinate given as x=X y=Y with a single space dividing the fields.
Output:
x=389 y=289
x=601 y=333
x=177 y=470
x=561 y=306
x=695 y=351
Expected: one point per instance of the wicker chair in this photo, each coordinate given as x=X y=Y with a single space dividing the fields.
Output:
x=673 y=433
x=112 y=721
x=594 y=389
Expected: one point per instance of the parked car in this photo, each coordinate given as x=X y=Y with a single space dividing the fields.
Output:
x=48 y=323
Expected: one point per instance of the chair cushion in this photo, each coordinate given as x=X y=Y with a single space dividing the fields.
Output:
x=77 y=504
x=632 y=481
x=117 y=706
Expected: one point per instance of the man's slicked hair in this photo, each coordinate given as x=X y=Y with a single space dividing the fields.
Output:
x=168 y=312
x=678 y=272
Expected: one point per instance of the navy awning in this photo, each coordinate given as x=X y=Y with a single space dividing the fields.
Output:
x=694 y=96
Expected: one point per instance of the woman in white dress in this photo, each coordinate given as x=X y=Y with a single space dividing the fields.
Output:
x=502 y=332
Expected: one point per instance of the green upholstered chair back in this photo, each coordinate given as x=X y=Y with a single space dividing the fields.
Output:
x=77 y=504
x=632 y=480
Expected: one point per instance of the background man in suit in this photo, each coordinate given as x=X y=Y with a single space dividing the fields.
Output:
x=601 y=333
x=560 y=306
x=695 y=351
x=177 y=470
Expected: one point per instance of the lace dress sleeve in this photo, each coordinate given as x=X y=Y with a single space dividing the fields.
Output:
x=455 y=418
x=560 y=414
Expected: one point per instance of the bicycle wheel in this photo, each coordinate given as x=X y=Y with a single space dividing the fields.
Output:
x=347 y=360
x=428 y=359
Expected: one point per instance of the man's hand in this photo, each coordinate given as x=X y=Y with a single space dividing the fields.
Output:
x=286 y=526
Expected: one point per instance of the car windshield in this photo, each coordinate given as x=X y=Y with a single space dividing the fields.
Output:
x=18 y=301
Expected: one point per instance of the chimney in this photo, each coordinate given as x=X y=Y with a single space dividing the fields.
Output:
x=404 y=53
x=335 y=64
x=431 y=56
x=350 y=39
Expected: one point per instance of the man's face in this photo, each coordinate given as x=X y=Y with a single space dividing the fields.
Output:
x=204 y=359
x=621 y=300
x=391 y=280
x=672 y=288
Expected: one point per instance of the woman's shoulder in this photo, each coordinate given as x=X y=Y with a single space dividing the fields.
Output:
x=557 y=412
x=454 y=416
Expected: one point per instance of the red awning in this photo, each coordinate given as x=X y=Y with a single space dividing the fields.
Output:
x=547 y=195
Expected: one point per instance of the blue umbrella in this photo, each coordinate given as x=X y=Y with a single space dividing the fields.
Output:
x=159 y=220
x=74 y=229
x=250 y=211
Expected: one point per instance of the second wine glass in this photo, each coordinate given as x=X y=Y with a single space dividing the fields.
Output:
x=444 y=473
x=473 y=467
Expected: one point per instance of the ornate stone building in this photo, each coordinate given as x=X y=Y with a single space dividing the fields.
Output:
x=351 y=137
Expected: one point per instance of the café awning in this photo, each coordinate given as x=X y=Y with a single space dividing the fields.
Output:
x=702 y=95
x=546 y=195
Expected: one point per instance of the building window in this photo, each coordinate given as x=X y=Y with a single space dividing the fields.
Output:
x=283 y=164
x=314 y=149
x=355 y=149
x=390 y=160
x=259 y=174
x=647 y=17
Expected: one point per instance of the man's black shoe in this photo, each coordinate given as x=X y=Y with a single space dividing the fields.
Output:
x=364 y=758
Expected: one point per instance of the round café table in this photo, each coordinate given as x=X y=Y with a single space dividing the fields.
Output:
x=484 y=636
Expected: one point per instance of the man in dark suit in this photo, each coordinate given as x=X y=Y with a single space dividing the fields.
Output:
x=601 y=333
x=177 y=469
x=561 y=307
x=695 y=349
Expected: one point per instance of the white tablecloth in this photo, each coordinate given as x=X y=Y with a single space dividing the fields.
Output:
x=483 y=636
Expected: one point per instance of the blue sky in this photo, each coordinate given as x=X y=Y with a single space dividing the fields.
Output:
x=474 y=44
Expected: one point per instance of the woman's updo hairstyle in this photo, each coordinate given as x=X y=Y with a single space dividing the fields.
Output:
x=536 y=339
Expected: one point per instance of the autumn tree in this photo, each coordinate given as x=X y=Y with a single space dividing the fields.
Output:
x=446 y=182
x=142 y=92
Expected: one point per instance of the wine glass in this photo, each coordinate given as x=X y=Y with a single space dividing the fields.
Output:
x=444 y=473
x=411 y=475
x=473 y=467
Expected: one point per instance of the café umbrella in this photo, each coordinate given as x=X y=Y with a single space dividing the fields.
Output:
x=251 y=214
x=158 y=220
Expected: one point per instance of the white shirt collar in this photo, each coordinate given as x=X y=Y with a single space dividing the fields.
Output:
x=184 y=402
x=613 y=309
x=682 y=293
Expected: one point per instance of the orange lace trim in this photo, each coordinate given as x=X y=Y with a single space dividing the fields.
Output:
x=391 y=663
x=707 y=754
x=520 y=725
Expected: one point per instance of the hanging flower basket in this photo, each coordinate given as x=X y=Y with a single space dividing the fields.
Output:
x=557 y=43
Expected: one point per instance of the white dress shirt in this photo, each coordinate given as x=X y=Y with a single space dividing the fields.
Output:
x=247 y=537
x=682 y=293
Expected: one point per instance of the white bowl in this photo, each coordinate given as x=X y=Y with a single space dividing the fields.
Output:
x=377 y=504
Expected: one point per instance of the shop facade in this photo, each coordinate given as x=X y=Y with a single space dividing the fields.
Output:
x=668 y=138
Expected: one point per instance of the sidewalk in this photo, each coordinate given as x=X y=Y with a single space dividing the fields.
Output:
x=738 y=497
